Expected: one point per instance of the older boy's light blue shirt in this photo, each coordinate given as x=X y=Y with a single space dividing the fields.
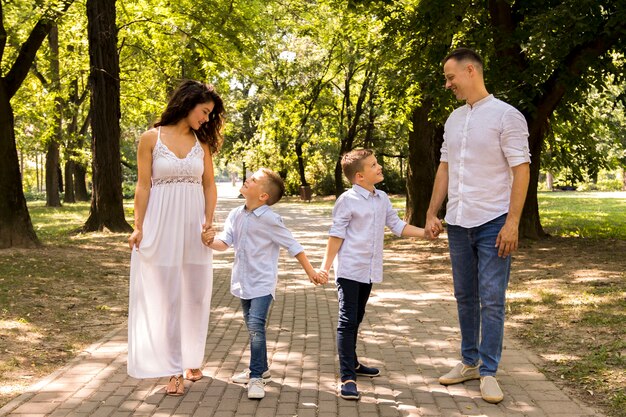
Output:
x=359 y=218
x=257 y=237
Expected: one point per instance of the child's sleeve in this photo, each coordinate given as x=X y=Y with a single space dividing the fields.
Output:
x=393 y=221
x=283 y=237
x=226 y=234
x=341 y=219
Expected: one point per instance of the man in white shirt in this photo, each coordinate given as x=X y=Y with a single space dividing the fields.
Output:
x=484 y=171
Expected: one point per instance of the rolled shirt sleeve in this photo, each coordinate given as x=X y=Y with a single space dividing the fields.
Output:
x=394 y=222
x=283 y=237
x=514 y=138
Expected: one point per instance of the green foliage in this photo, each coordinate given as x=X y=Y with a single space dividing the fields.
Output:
x=588 y=136
x=291 y=74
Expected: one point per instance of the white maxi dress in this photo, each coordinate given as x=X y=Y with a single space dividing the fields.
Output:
x=171 y=275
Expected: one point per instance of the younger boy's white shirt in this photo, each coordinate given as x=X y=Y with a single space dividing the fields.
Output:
x=359 y=218
x=257 y=237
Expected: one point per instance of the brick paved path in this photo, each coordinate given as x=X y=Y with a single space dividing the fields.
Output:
x=410 y=332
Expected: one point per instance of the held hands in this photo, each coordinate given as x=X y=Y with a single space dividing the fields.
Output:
x=208 y=233
x=433 y=227
x=320 y=277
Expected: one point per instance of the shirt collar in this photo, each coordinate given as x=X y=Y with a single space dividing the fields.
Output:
x=362 y=191
x=481 y=102
x=260 y=210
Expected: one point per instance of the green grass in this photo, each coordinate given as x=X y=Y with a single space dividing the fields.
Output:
x=598 y=215
x=58 y=224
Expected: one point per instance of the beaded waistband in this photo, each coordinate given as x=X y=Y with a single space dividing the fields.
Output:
x=176 y=180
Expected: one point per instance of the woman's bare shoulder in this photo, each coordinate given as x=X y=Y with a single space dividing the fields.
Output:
x=149 y=137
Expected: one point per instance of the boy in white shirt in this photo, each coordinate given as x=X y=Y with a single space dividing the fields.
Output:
x=356 y=239
x=257 y=234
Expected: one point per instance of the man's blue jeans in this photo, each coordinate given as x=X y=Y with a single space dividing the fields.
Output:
x=480 y=281
x=353 y=298
x=255 y=312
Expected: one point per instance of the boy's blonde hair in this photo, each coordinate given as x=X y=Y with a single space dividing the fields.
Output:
x=273 y=185
x=352 y=162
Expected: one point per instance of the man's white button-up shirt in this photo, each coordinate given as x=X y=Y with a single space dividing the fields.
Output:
x=481 y=144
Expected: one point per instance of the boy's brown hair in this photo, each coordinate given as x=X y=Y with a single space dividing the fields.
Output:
x=273 y=185
x=352 y=162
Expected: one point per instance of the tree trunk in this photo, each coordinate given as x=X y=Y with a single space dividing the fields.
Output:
x=16 y=228
x=107 y=209
x=339 y=187
x=424 y=152
x=624 y=178
x=300 y=157
x=69 y=197
x=52 y=175
x=80 y=182
x=70 y=142
x=530 y=224
x=52 y=152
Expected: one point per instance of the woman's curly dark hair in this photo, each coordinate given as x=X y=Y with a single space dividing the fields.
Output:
x=185 y=98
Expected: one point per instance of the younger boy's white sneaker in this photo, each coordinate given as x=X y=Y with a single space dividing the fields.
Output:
x=256 y=388
x=244 y=377
x=490 y=390
x=460 y=373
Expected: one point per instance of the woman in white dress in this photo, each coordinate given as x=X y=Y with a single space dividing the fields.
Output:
x=171 y=275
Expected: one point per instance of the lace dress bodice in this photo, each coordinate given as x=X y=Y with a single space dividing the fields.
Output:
x=167 y=168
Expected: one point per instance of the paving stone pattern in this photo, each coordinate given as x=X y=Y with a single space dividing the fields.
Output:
x=410 y=332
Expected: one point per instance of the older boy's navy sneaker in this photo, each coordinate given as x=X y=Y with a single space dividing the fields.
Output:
x=367 y=371
x=349 y=391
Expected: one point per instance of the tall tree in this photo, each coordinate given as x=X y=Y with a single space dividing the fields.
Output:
x=16 y=229
x=52 y=151
x=107 y=206
x=533 y=69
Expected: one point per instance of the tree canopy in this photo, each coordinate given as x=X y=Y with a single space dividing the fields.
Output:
x=305 y=81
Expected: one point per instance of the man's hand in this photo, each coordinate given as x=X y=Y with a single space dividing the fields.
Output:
x=433 y=227
x=507 y=239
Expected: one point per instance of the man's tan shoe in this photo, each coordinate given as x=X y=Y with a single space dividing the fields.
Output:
x=460 y=373
x=490 y=390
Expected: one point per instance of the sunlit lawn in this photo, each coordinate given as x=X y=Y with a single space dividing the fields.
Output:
x=589 y=215
x=59 y=223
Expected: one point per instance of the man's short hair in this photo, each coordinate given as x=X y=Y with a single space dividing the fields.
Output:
x=465 y=54
x=273 y=185
x=352 y=162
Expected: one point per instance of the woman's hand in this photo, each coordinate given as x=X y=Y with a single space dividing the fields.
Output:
x=135 y=239
x=208 y=233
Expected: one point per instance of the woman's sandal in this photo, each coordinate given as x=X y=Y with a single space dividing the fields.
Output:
x=193 y=374
x=176 y=386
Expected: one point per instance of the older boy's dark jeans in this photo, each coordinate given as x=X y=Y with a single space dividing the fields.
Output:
x=353 y=298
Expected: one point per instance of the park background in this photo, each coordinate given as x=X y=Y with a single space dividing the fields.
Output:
x=303 y=82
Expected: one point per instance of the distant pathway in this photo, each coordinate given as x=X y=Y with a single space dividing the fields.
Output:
x=410 y=331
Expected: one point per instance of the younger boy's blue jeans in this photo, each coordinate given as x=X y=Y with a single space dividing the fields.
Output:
x=255 y=312
x=353 y=296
